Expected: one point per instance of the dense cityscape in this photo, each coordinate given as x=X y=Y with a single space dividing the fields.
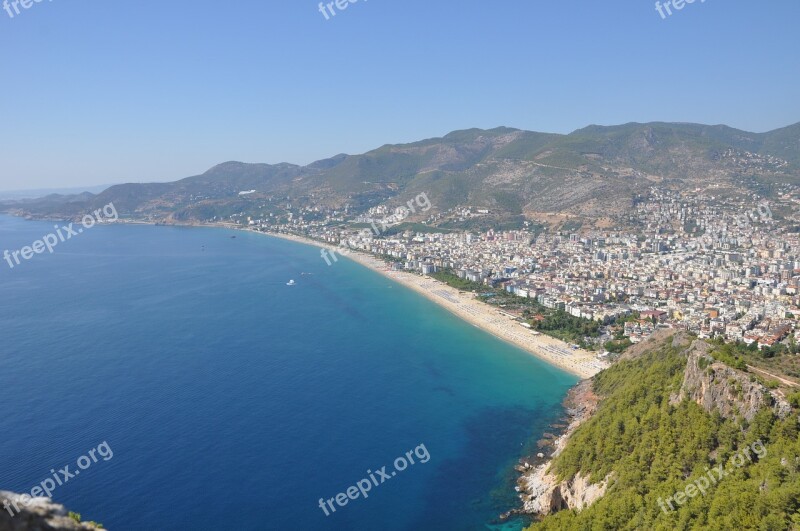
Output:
x=713 y=266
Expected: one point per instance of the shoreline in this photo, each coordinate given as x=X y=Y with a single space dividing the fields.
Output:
x=479 y=314
x=554 y=352
x=537 y=486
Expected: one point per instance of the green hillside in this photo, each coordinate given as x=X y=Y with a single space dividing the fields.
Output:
x=653 y=448
x=591 y=173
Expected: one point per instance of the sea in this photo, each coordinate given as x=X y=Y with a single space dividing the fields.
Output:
x=186 y=385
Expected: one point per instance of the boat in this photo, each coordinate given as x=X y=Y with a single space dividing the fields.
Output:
x=290 y=283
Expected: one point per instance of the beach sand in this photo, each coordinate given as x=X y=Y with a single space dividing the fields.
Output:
x=580 y=362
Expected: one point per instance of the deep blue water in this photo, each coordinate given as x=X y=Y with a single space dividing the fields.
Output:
x=232 y=401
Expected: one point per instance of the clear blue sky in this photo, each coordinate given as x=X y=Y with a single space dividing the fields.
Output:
x=118 y=91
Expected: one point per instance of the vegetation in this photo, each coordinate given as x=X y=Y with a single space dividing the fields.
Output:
x=561 y=325
x=484 y=223
x=779 y=358
x=730 y=354
x=453 y=280
x=617 y=346
x=553 y=322
x=794 y=399
x=414 y=227
x=462 y=169
x=572 y=225
x=653 y=449
x=77 y=517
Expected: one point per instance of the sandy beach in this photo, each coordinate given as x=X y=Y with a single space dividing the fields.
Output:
x=580 y=362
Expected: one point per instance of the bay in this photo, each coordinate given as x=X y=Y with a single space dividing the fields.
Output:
x=234 y=401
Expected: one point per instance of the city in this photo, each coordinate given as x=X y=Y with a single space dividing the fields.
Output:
x=711 y=266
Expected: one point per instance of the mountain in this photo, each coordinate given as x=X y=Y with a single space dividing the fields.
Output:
x=36 y=194
x=592 y=173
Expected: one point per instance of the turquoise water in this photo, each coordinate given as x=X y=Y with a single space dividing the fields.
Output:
x=233 y=401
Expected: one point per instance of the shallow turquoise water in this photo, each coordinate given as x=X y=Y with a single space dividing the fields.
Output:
x=233 y=401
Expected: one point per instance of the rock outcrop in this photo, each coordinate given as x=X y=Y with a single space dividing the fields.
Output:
x=716 y=387
x=39 y=514
x=541 y=492
x=711 y=384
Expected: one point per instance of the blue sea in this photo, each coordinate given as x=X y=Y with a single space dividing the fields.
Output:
x=233 y=401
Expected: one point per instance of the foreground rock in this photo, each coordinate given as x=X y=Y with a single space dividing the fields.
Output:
x=41 y=514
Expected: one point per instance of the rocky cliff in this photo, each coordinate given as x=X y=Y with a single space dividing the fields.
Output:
x=40 y=514
x=716 y=387
x=542 y=492
x=712 y=385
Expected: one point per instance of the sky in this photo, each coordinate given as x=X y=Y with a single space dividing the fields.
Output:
x=101 y=92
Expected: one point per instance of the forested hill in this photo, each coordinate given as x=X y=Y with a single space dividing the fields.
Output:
x=593 y=172
x=681 y=441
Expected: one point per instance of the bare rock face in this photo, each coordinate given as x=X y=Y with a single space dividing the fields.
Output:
x=538 y=488
x=578 y=492
x=544 y=494
x=541 y=492
x=40 y=514
x=716 y=387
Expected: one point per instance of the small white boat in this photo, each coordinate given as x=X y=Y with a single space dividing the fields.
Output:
x=290 y=283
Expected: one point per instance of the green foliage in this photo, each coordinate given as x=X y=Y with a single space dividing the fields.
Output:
x=77 y=518
x=617 y=346
x=632 y=390
x=509 y=201
x=777 y=359
x=729 y=354
x=794 y=399
x=572 y=225
x=414 y=227
x=564 y=326
x=778 y=349
x=555 y=323
x=652 y=449
x=454 y=281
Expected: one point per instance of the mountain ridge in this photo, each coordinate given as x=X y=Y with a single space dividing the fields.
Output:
x=516 y=174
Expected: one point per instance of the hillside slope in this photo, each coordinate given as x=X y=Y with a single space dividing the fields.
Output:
x=592 y=172
x=678 y=441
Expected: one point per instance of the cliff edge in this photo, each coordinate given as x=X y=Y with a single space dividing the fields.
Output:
x=39 y=514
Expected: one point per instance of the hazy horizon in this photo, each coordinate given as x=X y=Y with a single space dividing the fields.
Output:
x=17 y=193
x=153 y=98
